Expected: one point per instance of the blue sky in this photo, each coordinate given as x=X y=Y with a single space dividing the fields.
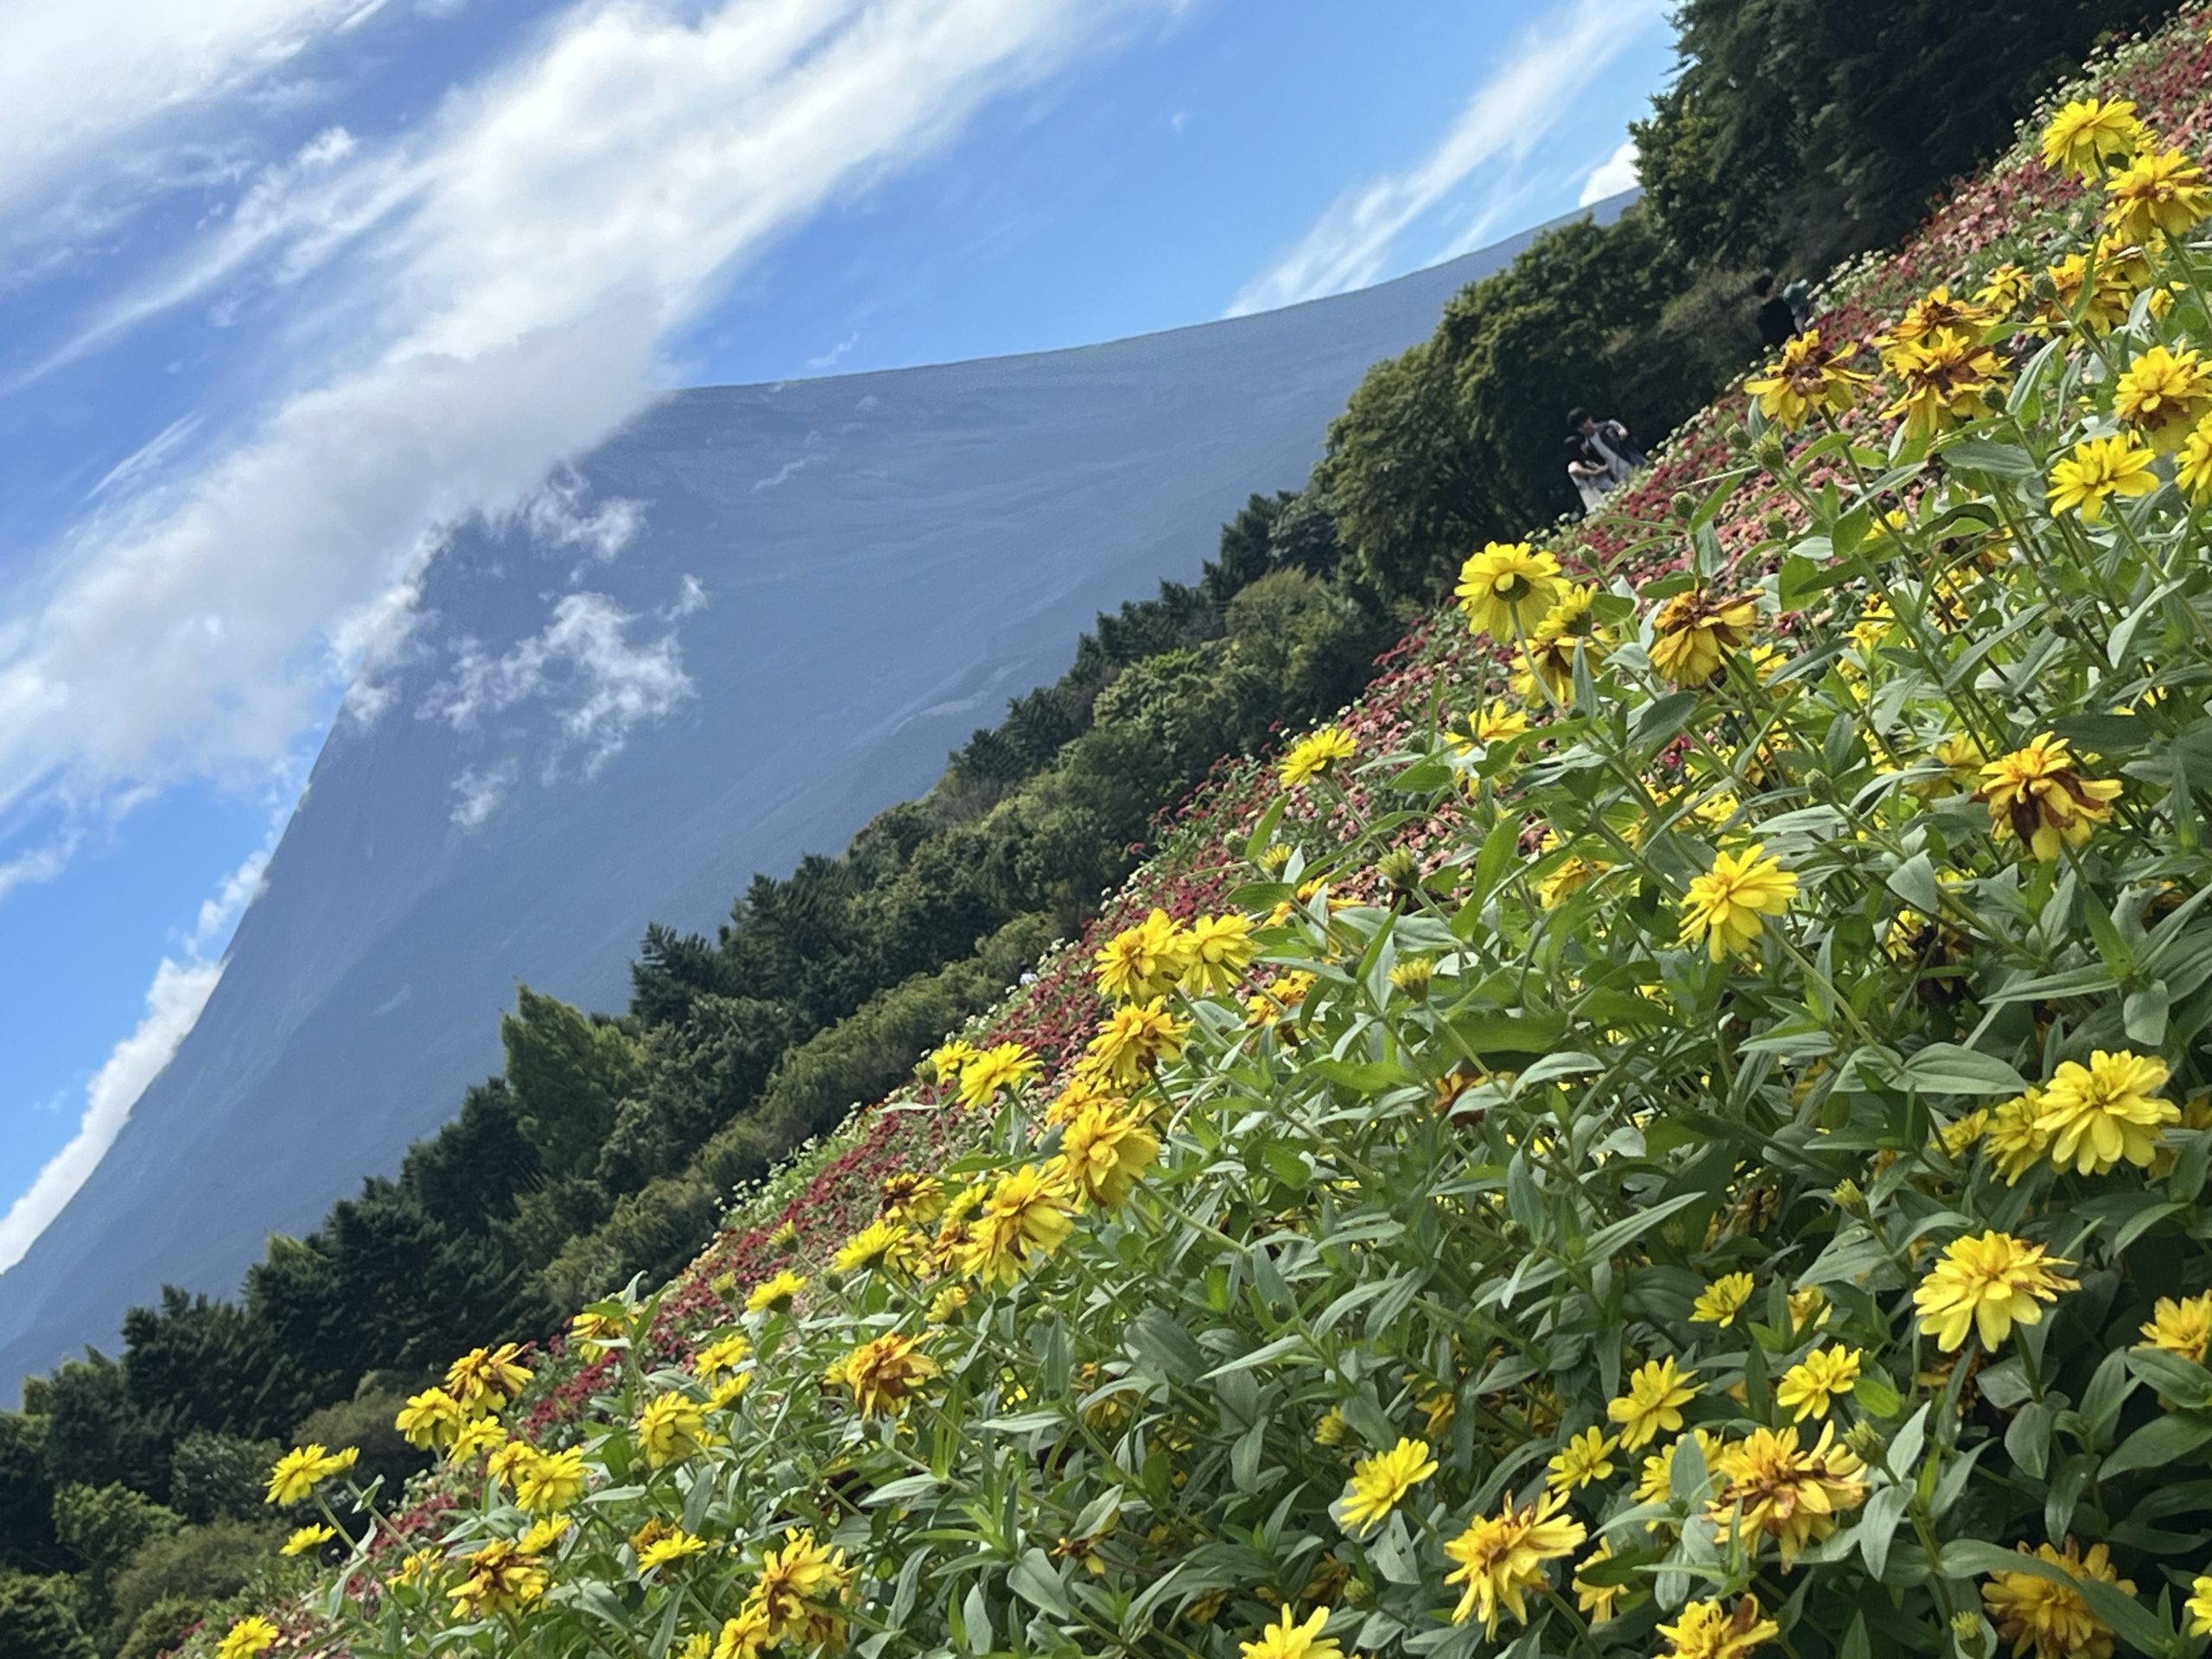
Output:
x=286 y=285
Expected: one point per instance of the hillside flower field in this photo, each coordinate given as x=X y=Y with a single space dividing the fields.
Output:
x=1678 y=1126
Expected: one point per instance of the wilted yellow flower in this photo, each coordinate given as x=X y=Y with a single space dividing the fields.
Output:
x=1705 y=1631
x=2090 y=135
x=2014 y=1136
x=1693 y=632
x=1652 y=1402
x=1316 y=753
x=801 y=1588
x=1143 y=961
x=1001 y=1066
x=1330 y=1431
x=1936 y=313
x=1726 y=908
x=2003 y=290
x=1028 y=1216
x=1567 y=878
x=1808 y=1387
x=1808 y=1308
x=2036 y=796
x=2182 y=1327
x=1501 y=1558
x=1987 y=1284
x=1104 y=1151
x=776 y=1293
x=1220 y=949
x=589 y=1333
x=1380 y=1483
x=2157 y=194
x=2161 y=393
x=307 y=1540
x=1767 y=1484
x=1287 y=1639
x=1958 y=1138
x=1508 y=588
x=913 y=1198
x=672 y=1429
x=499 y=1579
x=1720 y=1302
x=1943 y=378
x=2054 y=1621
x=417 y=1565
x=885 y=1374
x=1809 y=376
x=1585 y=1458
x=2095 y=290
x=2095 y=470
x=1134 y=1040
x=2106 y=1112
x=482 y=1376
x=1548 y=653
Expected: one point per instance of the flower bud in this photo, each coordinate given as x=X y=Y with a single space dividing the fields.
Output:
x=1968 y=1630
x=1684 y=504
x=1739 y=437
x=1866 y=1440
x=1399 y=868
x=1770 y=452
x=1413 y=976
x=1846 y=1195
x=1777 y=526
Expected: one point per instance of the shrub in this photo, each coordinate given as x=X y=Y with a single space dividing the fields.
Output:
x=36 y=1621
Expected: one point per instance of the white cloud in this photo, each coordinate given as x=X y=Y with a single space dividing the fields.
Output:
x=1514 y=107
x=513 y=269
x=836 y=353
x=1615 y=174
x=561 y=514
x=41 y=863
x=180 y=990
x=584 y=661
x=477 y=794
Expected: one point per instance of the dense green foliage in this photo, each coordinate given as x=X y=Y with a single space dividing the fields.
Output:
x=1799 y=130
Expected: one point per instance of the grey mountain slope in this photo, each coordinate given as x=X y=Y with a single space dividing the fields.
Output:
x=885 y=558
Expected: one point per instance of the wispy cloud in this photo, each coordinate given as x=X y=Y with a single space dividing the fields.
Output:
x=511 y=272
x=836 y=353
x=1516 y=105
x=1612 y=175
x=181 y=988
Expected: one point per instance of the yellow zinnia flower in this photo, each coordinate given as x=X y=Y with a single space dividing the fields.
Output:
x=2193 y=469
x=250 y=1636
x=2105 y=1112
x=1808 y=1387
x=1766 y=1483
x=885 y=1374
x=1143 y=961
x=1693 y=632
x=950 y=1058
x=2014 y=1136
x=1380 y=1483
x=1720 y=1302
x=1134 y=1041
x=1809 y=376
x=1002 y=1066
x=2161 y=392
x=1105 y=1149
x=673 y=1546
x=2036 y=796
x=2157 y=194
x=1501 y=1558
x=881 y=1244
x=2054 y=1621
x=432 y=1418
x=801 y=1586
x=2182 y=1327
x=1705 y=1631
x=499 y=1579
x=717 y=1359
x=1568 y=627
x=775 y=1294
x=1219 y=949
x=1507 y=588
x=1285 y=1639
x=1316 y=753
x=2096 y=470
x=1028 y=1215
x=1652 y=1403
x=1727 y=906
x=2089 y=136
x=672 y=1429
x=2199 y=1607
x=1585 y=1458
x=294 y=1476
x=1943 y=379
x=308 y=1539
x=482 y=1376
x=1987 y=1284
x=549 y=1482
x=1596 y=1602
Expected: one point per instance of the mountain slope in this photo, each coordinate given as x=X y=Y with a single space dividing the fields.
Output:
x=814 y=590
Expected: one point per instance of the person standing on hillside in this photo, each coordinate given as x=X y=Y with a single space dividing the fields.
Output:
x=1591 y=477
x=1778 y=321
x=1608 y=444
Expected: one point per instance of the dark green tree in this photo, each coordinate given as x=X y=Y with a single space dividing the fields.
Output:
x=36 y=1621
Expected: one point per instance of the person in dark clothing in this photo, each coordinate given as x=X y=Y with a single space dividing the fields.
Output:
x=1592 y=479
x=1777 y=322
x=1607 y=443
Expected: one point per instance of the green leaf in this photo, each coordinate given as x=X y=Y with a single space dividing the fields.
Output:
x=1998 y=460
x=1883 y=1510
x=2160 y=1441
x=1260 y=1355
x=1946 y=1069
x=2144 y=1014
x=1601 y=1244
x=1034 y=1580
x=1155 y=1336
x=1914 y=882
